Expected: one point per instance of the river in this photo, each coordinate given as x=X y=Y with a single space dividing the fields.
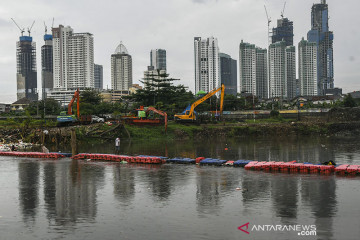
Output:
x=67 y=199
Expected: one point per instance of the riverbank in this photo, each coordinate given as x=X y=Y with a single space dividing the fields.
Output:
x=104 y=133
x=339 y=122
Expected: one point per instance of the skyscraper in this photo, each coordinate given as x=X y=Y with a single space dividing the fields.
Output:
x=73 y=57
x=283 y=32
x=253 y=70
x=290 y=71
x=282 y=78
x=262 y=81
x=308 y=82
x=47 y=65
x=321 y=35
x=121 y=69
x=207 y=74
x=98 y=76
x=228 y=73
x=247 y=67
x=26 y=68
x=158 y=59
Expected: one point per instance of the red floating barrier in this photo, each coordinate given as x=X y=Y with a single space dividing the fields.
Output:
x=352 y=169
x=197 y=160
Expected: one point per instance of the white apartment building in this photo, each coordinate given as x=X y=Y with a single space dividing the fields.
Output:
x=73 y=59
x=121 y=69
x=253 y=70
x=282 y=70
x=207 y=64
x=247 y=67
x=308 y=68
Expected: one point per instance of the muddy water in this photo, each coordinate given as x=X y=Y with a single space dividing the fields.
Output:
x=66 y=199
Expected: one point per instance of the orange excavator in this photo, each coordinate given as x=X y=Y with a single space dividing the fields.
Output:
x=77 y=98
x=144 y=118
x=67 y=118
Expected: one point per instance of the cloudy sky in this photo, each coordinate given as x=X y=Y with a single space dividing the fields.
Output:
x=143 y=25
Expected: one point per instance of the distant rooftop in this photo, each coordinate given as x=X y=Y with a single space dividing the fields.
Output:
x=121 y=49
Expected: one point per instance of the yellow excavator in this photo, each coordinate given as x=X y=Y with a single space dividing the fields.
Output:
x=189 y=114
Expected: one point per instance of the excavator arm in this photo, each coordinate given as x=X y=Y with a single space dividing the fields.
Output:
x=77 y=98
x=158 y=112
x=189 y=115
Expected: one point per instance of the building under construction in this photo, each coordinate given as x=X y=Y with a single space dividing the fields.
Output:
x=321 y=35
x=26 y=68
x=47 y=65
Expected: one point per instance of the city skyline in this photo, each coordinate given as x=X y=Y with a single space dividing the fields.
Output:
x=176 y=35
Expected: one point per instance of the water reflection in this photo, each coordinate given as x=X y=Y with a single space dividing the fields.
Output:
x=284 y=193
x=76 y=186
x=212 y=185
x=49 y=171
x=124 y=183
x=29 y=172
x=320 y=196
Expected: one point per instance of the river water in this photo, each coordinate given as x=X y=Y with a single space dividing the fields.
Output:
x=67 y=199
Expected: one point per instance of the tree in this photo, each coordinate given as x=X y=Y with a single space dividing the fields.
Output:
x=51 y=107
x=349 y=101
x=90 y=96
x=160 y=91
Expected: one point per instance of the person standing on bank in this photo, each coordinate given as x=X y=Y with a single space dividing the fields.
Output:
x=117 y=145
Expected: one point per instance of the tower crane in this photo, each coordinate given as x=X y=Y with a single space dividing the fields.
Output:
x=282 y=12
x=269 y=21
x=29 y=29
x=21 y=30
x=45 y=28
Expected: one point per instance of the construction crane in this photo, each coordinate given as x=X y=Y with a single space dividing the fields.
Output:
x=29 y=29
x=282 y=12
x=22 y=30
x=45 y=28
x=269 y=21
x=189 y=114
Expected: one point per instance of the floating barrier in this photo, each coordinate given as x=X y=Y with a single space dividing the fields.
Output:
x=241 y=163
x=120 y=158
x=213 y=162
x=286 y=167
x=181 y=160
x=33 y=154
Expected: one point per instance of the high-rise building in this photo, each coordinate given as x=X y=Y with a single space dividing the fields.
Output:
x=73 y=63
x=262 y=82
x=98 y=76
x=121 y=69
x=253 y=70
x=207 y=74
x=228 y=73
x=247 y=67
x=283 y=32
x=81 y=61
x=282 y=70
x=290 y=65
x=47 y=65
x=308 y=83
x=158 y=59
x=26 y=69
x=321 y=35
x=73 y=59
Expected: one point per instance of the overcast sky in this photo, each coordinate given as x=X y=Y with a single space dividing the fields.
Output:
x=143 y=25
